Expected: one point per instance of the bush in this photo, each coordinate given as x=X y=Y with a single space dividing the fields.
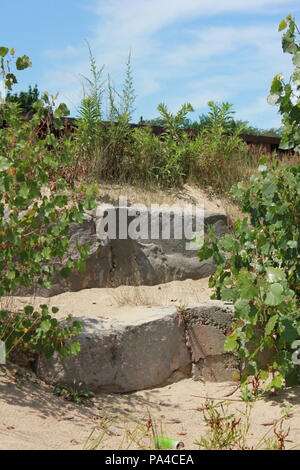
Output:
x=33 y=198
x=25 y=99
x=258 y=270
x=112 y=150
x=102 y=145
x=218 y=160
x=286 y=95
x=213 y=158
x=37 y=332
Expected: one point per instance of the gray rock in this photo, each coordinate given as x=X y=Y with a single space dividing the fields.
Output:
x=130 y=261
x=222 y=368
x=148 y=347
x=206 y=328
x=138 y=354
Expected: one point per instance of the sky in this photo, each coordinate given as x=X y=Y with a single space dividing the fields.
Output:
x=181 y=50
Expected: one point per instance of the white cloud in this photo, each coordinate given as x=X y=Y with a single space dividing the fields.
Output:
x=216 y=62
x=258 y=111
x=68 y=51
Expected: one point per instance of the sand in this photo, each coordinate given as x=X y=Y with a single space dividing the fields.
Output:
x=31 y=417
x=108 y=302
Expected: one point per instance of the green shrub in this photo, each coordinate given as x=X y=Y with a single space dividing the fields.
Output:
x=37 y=331
x=76 y=393
x=141 y=158
x=101 y=139
x=35 y=213
x=258 y=270
x=107 y=148
x=286 y=95
x=25 y=99
x=219 y=158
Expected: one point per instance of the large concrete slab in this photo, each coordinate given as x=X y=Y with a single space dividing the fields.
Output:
x=149 y=347
x=144 y=261
x=124 y=355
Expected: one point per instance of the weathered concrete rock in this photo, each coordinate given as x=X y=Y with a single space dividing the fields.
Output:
x=143 y=261
x=206 y=332
x=220 y=368
x=147 y=348
x=140 y=353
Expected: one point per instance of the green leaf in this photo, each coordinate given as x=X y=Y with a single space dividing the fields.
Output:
x=45 y=325
x=290 y=332
x=61 y=110
x=282 y=25
x=275 y=275
x=10 y=78
x=276 y=87
x=24 y=192
x=270 y=325
x=227 y=294
x=292 y=243
x=3 y=51
x=263 y=160
x=75 y=348
x=263 y=375
x=46 y=252
x=277 y=382
x=230 y=344
x=274 y=296
x=273 y=99
x=296 y=59
x=28 y=310
x=288 y=43
x=252 y=368
x=242 y=307
x=23 y=62
x=4 y=164
x=65 y=272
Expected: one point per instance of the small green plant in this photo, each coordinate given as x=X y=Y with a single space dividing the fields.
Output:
x=37 y=331
x=96 y=438
x=218 y=157
x=174 y=123
x=102 y=139
x=77 y=393
x=253 y=390
x=287 y=411
x=279 y=439
x=143 y=434
x=220 y=116
x=226 y=432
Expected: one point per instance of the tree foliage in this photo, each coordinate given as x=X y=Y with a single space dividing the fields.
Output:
x=258 y=270
x=25 y=99
x=222 y=112
x=286 y=95
x=36 y=210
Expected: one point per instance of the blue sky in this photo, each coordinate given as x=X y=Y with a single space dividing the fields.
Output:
x=182 y=50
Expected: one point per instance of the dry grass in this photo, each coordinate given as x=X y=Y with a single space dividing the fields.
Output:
x=176 y=293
